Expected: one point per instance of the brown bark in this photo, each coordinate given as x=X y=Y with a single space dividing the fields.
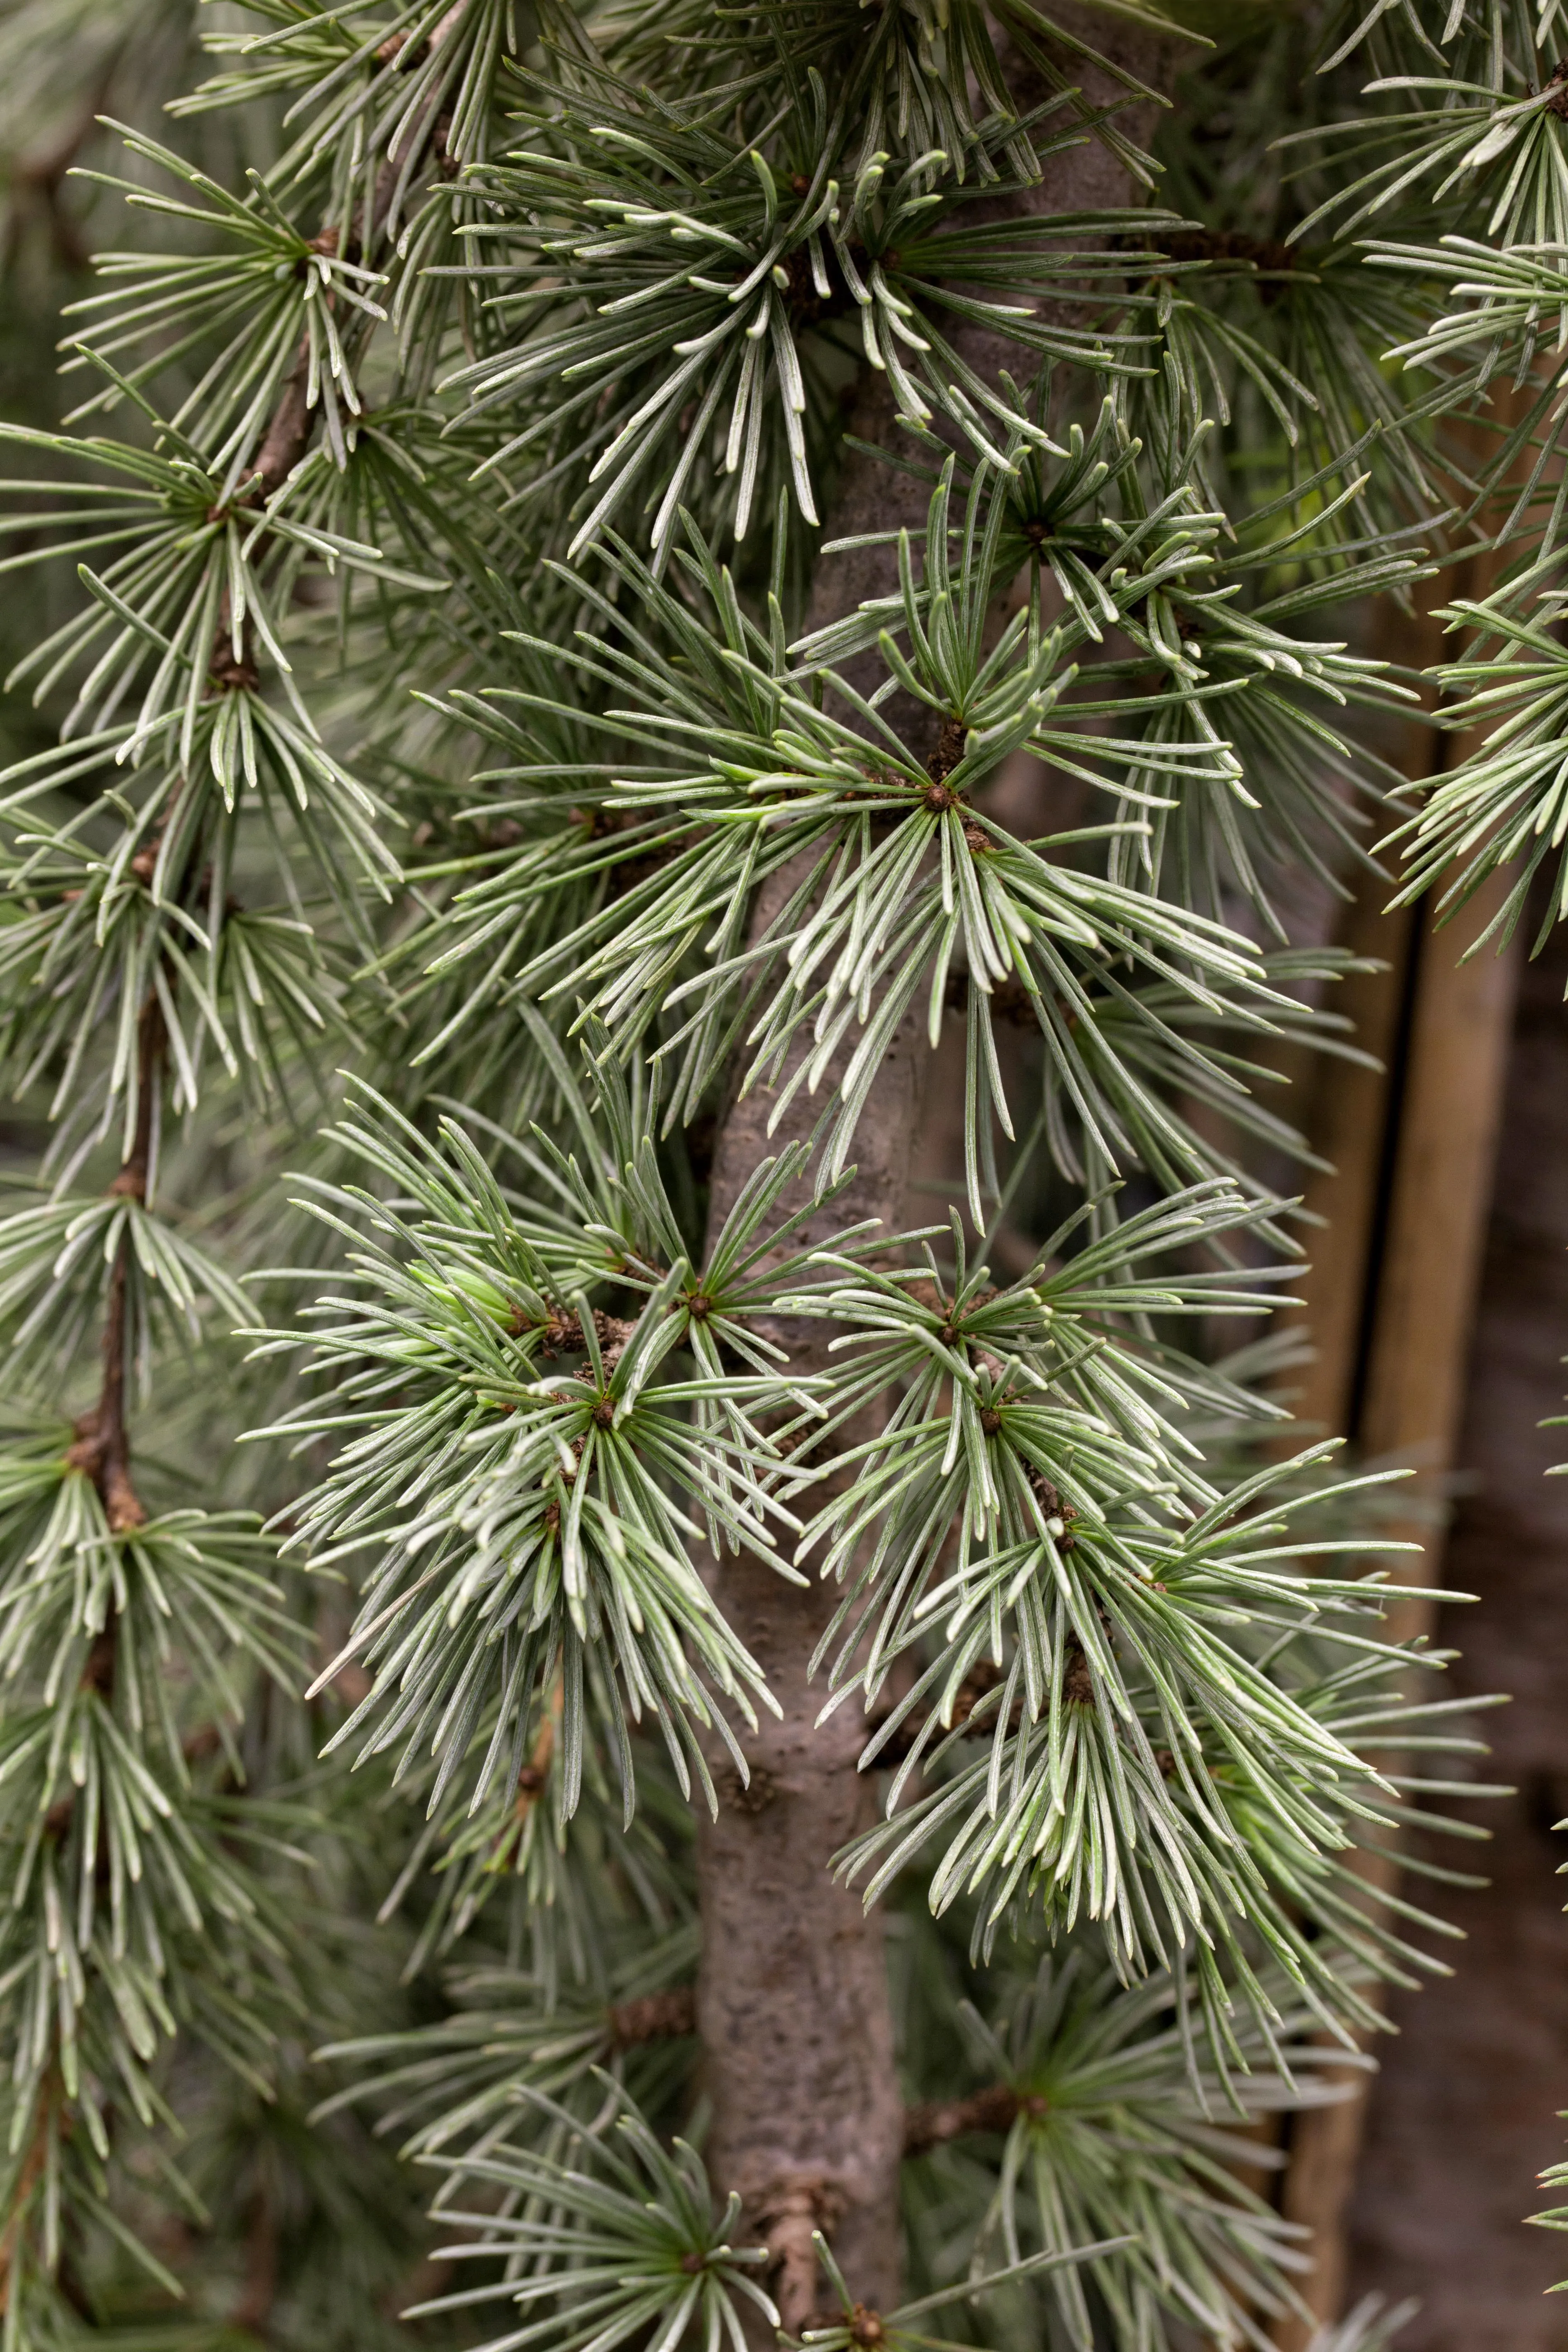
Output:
x=792 y=2005
x=793 y=1998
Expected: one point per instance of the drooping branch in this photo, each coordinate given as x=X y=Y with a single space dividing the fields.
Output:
x=103 y=1446
x=292 y=422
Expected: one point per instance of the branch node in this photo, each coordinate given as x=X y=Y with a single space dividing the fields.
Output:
x=789 y=2213
x=657 y=2017
x=994 y=2110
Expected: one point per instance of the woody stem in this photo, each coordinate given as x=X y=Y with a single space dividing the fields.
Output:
x=102 y=1447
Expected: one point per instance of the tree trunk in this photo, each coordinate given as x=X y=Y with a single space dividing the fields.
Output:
x=792 y=2005
x=792 y=1994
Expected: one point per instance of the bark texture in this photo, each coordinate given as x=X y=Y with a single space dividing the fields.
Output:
x=808 y=2120
x=1465 y=2111
x=792 y=2006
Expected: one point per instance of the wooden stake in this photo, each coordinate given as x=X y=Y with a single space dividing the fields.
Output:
x=1400 y=1392
x=1348 y=1124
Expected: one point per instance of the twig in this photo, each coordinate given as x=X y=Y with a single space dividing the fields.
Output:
x=293 y=420
x=102 y=1447
x=657 y=2017
x=994 y=2110
x=254 y=2309
x=27 y=2178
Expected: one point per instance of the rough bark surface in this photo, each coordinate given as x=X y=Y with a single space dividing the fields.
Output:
x=793 y=1996
x=793 y=2007
x=1465 y=2112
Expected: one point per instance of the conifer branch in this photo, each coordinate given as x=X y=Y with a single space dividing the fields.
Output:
x=102 y=1444
x=293 y=421
x=670 y=1474
x=657 y=2016
x=934 y=2122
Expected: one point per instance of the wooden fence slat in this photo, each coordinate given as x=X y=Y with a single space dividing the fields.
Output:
x=1447 y=1111
x=1347 y=1122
